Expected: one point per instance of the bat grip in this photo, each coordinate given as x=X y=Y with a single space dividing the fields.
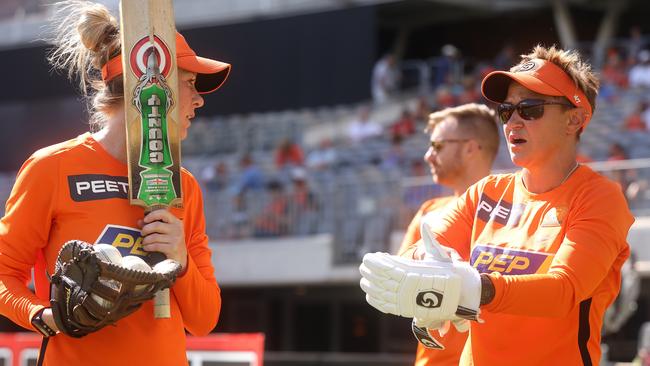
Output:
x=154 y=258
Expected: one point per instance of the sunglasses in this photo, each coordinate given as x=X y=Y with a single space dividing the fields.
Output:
x=528 y=109
x=438 y=145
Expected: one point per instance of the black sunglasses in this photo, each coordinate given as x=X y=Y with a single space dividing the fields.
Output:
x=438 y=145
x=528 y=109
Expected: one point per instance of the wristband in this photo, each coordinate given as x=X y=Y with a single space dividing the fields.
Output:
x=41 y=326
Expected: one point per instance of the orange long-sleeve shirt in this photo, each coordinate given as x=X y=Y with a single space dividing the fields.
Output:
x=76 y=190
x=454 y=341
x=554 y=258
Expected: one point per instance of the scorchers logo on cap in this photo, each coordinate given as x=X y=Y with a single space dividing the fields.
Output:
x=140 y=53
x=526 y=66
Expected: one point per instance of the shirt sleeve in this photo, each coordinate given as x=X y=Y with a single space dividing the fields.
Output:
x=197 y=292
x=24 y=230
x=453 y=227
x=598 y=223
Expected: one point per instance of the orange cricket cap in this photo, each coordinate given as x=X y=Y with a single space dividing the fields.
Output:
x=210 y=74
x=540 y=76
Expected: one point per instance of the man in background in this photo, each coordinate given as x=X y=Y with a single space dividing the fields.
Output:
x=464 y=143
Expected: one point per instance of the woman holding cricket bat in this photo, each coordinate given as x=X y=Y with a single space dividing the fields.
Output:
x=77 y=189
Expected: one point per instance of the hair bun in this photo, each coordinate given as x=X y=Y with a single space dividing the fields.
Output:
x=97 y=29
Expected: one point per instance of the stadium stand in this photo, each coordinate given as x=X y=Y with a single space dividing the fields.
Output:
x=358 y=197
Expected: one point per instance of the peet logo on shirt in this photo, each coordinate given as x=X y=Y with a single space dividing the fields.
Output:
x=127 y=240
x=91 y=187
x=489 y=208
x=487 y=259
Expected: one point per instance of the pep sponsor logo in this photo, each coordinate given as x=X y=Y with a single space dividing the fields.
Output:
x=127 y=240
x=91 y=187
x=507 y=261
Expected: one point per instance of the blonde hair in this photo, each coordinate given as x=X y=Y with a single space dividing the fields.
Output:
x=573 y=65
x=85 y=37
x=475 y=121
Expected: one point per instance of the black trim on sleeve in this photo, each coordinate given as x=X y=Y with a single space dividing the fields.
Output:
x=584 y=332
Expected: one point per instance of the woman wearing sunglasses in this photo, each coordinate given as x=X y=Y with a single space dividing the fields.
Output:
x=554 y=243
x=548 y=241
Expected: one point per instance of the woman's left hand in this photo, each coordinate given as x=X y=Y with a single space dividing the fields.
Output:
x=163 y=232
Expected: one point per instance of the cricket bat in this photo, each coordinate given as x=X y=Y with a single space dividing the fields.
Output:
x=150 y=97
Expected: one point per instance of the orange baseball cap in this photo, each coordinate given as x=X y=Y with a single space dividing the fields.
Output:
x=540 y=76
x=210 y=74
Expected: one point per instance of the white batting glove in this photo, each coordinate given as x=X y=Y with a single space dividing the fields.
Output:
x=409 y=288
x=470 y=294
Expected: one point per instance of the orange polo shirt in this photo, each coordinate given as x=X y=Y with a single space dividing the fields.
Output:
x=76 y=190
x=555 y=259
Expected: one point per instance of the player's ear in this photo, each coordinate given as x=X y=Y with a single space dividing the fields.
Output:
x=472 y=147
x=575 y=121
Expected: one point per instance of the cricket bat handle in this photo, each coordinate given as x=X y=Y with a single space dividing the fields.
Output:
x=161 y=305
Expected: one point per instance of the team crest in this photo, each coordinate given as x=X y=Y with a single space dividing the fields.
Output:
x=554 y=217
x=527 y=66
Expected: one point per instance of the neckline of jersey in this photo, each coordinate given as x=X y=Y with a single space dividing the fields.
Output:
x=96 y=146
x=544 y=195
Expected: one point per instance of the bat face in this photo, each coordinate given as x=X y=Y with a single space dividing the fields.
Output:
x=153 y=99
x=150 y=94
x=151 y=85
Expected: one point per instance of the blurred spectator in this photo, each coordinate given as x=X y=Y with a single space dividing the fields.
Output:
x=250 y=176
x=447 y=66
x=288 y=154
x=635 y=121
x=613 y=76
x=240 y=221
x=422 y=112
x=444 y=97
x=621 y=176
x=418 y=168
x=634 y=44
x=273 y=220
x=506 y=58
x=640 y=73
x=404 y=126
x=470 y=92
x=617 y=152
x=645 y=115
x=395 y=157
x=215 y=177
x=323 y=157
x=363 y=127
x=303 y=204
x=614 y=70
x=385 y=76
x=626 y=303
